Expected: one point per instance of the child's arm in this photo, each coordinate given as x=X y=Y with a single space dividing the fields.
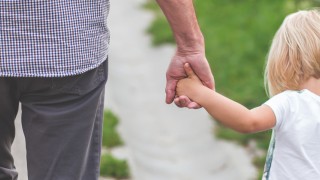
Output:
x=227 y=111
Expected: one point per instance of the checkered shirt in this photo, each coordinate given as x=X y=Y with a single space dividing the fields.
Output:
x=52 y=38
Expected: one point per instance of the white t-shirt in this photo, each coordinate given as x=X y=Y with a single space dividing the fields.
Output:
x=294 y=151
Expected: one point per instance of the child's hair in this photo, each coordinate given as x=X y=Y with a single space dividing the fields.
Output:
x=294 y=55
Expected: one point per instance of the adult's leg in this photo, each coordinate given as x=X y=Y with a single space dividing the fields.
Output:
x=9 y=102
x=62 y=124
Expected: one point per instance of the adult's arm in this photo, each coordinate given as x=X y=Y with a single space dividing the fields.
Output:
x=190 y=49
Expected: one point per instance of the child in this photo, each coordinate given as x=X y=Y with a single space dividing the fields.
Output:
x=293 y=79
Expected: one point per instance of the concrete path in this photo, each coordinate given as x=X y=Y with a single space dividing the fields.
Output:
x=19 y=151
x=163 y=142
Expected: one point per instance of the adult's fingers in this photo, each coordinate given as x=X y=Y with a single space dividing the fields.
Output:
x=203 y=71
x=184 y=101
x=178 y=103
x=194 y=105
x=170 y=90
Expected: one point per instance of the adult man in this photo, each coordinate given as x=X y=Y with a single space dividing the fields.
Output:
x=53 y=61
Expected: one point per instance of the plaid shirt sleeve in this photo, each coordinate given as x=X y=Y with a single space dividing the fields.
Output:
x=52 y=38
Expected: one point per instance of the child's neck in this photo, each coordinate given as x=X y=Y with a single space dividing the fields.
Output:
x=313 y=85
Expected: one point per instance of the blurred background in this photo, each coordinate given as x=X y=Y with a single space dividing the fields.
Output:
x=145 y=139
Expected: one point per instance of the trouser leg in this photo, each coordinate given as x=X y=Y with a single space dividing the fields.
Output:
x=8 y=110
x=62 y=124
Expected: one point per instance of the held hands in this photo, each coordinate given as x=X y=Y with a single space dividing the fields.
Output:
x=189 y=87
x=176 y=72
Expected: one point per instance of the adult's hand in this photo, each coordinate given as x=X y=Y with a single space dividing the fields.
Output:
x=175 y=72
x=190 y=48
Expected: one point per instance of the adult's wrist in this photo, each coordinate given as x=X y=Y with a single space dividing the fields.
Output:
x=190 y=44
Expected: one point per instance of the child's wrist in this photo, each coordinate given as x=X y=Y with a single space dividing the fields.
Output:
x=202 y=95
x=197 y=93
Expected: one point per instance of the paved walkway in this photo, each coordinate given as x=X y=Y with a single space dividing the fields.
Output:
x=163 y=142
x=18 y=150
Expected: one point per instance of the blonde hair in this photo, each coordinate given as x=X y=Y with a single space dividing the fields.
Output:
x=294 y=55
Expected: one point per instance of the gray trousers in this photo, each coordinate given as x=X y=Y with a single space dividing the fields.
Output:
x=62 y=123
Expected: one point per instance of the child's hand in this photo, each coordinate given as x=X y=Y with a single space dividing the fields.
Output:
x=189 y=86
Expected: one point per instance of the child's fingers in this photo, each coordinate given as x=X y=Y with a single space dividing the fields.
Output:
x=188 y=70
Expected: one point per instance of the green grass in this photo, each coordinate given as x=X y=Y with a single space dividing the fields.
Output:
x=159 y=26
x=259 y=163
x=113 y=167
x=111 y=138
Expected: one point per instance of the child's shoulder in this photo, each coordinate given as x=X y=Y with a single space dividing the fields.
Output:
x=292 y=94
x=286 y=95
x=305 y=93
x=295 y=99
x=286 y=100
